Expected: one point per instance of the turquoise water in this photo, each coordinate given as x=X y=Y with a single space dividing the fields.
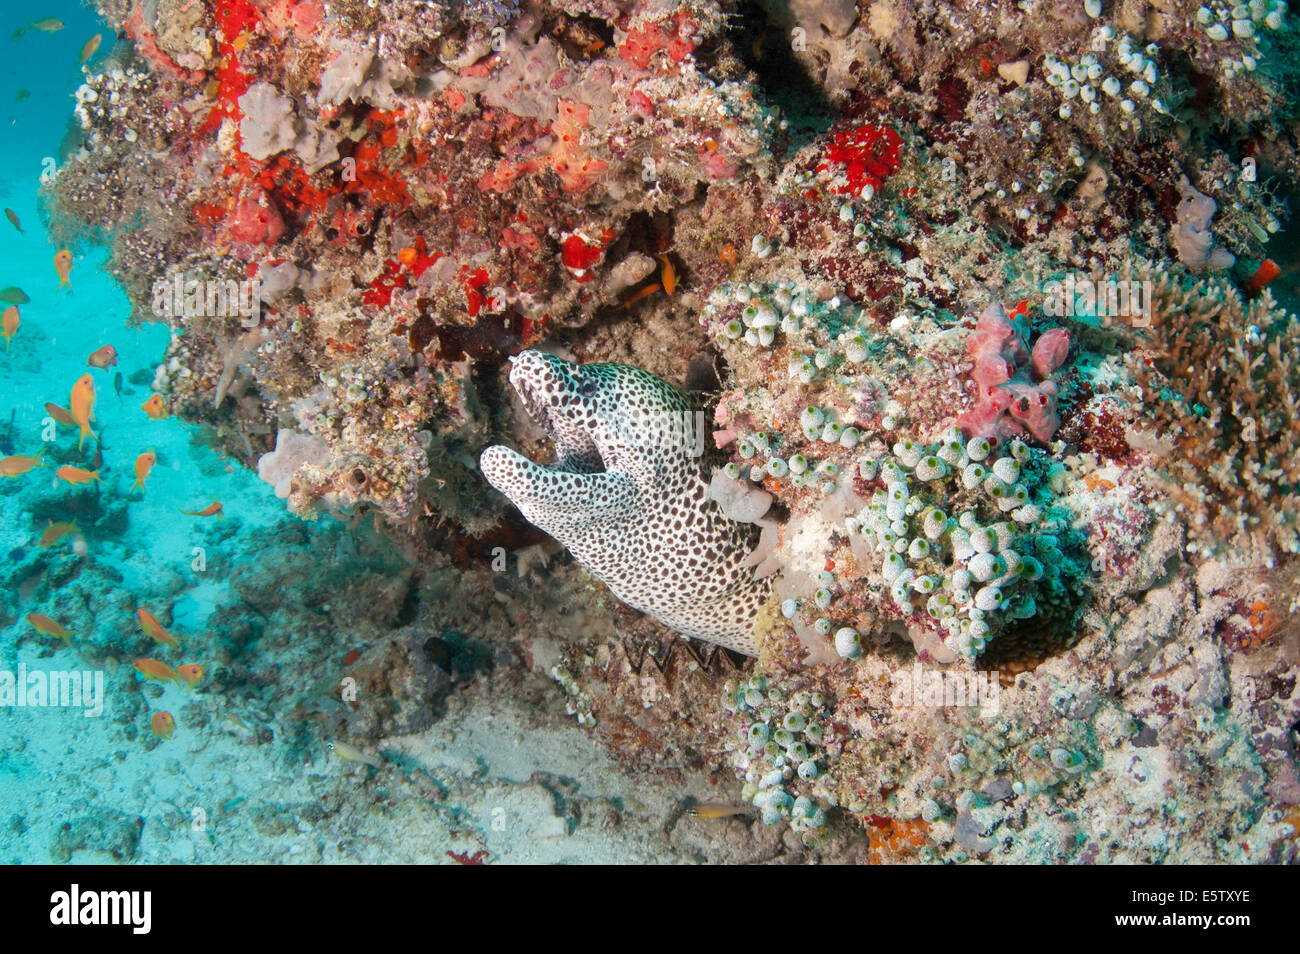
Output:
x=55 y=760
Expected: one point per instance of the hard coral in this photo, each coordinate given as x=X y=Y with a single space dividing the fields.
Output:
x=1221 y=384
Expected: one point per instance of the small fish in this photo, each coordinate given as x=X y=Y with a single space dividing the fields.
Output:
x=668 y=275
x=1021 y=310
x=212 y=509
x=9 y=323
x=55 y=532
x=352 y=754
x=143 y=464
x=60 y=414
x=63 y=265
x=91 y=45
x=192 y=673
x=643 y=293
x=19 y=464
x=155 y=407
x=717 y=810
x=162 y=724
x=49 y=627
x=13 y=295
x=155 y=670
x=48 y=24
x=17 y=35
x=117 y=384
x=76 y=475
x=103 y=358
x=82 y=405
x=22 y=96
x=12 y=216
x=154 y=629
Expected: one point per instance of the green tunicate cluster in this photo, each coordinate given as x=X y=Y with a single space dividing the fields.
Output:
x=756 y=313
x=781 y=752
x=969 y=537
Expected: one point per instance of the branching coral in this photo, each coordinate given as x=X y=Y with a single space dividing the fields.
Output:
x=1221 y=384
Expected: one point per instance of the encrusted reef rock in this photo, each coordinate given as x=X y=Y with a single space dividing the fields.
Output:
x=1002 y=403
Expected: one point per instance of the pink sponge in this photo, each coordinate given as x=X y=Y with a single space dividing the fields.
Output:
x=256 y=221
x=1014 y=390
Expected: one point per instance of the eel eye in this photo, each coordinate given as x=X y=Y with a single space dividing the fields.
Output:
x=587 y=388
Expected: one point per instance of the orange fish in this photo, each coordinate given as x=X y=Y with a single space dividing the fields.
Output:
x=143 y=464
x=643 y=293
x=212 y=509
x=76 y=475
x=59 y=414
x=91 y=45
x=190 y=672
x=47 y=626
x=19 y=464
x=669 y=275
x=9 y=323
x=154 y=629
x=155 y=408
x=63 y=265
x=155 y=670
x=163 y=725
x=104 y=357
x=82 y=403
x=1021 y=309
x=55 y=532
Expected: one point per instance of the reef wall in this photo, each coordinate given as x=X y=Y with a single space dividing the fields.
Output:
x=980 y=289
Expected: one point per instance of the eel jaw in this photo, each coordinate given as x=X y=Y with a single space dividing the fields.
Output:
x=522 y=380
x=534 y=374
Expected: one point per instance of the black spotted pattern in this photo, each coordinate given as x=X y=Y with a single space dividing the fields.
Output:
x=628 y=495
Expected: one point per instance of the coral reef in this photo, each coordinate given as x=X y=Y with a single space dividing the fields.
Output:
x=1081 y=516
x=1219 y=379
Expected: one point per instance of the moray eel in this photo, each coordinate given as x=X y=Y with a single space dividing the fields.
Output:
x=628 y=496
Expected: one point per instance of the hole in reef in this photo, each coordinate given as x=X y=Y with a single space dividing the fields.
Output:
x=765 y=48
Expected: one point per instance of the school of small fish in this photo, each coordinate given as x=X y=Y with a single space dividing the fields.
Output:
x=80 y=415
